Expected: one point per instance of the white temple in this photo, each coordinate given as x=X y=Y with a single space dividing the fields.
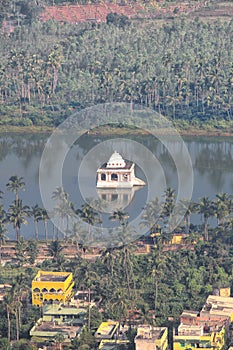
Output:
x=117 y=173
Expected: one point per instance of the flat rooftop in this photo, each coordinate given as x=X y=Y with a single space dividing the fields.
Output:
x=190 y=313
x=63 y=310
x=190 y=330
x=217 y=305
x=49 y=327
x=52 y=276
x=106 y=328
x=148 y=332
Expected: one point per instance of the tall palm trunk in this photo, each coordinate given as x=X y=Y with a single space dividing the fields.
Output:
x=36 y=230
x=17 y=232
x=206 y=229
x=8 y=323
x=127 y=272
x=46 y=231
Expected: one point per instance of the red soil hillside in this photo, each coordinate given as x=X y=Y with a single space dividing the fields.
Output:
x=152 y=9
x=82 y=13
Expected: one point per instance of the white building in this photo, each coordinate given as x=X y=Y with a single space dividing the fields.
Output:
x=118 y=173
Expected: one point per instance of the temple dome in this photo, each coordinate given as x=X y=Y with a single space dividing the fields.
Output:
x=116 y=161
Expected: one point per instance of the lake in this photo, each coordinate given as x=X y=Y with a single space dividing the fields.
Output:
x=20 y=154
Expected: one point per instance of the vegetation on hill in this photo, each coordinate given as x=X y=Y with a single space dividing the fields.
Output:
x=182 y=69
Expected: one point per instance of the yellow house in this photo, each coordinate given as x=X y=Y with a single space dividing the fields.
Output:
x=191 y=337
x=107 y=330
x=52 y=287
x=151 y=338
x=177 y=238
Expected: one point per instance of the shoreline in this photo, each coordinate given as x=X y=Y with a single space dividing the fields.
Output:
x=108 y=131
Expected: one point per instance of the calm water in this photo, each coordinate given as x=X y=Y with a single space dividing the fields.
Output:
x=212 y=160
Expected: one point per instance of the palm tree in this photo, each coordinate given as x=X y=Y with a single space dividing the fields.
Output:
x=78 y=234
x=206 y=209
x=15 y=184
x=64 y=208
x=88 y=215
x=17 y=291
x=99 y=205
x=36 y=213
x=108 y=258
x=17 y=214
x=221 y=207
x=3 y=237
x=169 y=202
x=45 y=218
x=125 y=235
x=55 y=249
x=21 y=251
x=8 y=302
x=187 y=207
x=60 y=194
x=120 y=305
x=120 y=215
x=152 y=214
x=157 y=260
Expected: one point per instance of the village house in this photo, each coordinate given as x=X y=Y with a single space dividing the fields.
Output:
x=151 y=338
x=107 y=330
x=192 y=337
x=67 y=320
x=50 y=287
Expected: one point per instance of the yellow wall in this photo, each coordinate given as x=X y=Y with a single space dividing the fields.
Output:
x=62 y=289
x=215 y=339
x=225 y=292
x=162 y=342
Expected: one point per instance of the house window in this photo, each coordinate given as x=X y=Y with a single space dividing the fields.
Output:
x=103 y=177
x=114 y=177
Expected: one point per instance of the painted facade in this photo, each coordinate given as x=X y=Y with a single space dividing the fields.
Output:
x=107 y=330
x=192 y=337
x=49 y=287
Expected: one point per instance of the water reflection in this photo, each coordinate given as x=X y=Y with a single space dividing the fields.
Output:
x=114 y=199
x=212 y=160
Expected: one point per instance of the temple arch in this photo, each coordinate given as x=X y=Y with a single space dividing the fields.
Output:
x=114 y=177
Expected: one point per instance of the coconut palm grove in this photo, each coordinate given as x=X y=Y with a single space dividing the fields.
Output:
x=169 y=289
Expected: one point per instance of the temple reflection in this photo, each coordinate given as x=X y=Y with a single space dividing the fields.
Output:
x=115 y=198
